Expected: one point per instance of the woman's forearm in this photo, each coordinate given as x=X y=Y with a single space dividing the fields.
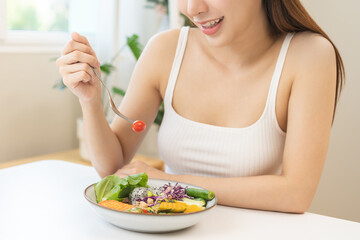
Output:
x=103 y=145
x=267 y=192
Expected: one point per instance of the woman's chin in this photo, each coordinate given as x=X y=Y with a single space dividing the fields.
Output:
x=217 y=42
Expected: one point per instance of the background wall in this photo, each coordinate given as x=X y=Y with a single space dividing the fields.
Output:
x=35 y=118
x=339 y=193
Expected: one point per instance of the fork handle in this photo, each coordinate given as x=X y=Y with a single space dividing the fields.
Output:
x=113 y=106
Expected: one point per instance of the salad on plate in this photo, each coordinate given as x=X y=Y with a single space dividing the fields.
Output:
x=133 y=194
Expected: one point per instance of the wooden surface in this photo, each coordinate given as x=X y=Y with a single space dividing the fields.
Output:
x=74 y=157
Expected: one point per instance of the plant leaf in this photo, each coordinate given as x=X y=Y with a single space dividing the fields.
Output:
x=107 y=68
x=59 y=84
x=53 y=59
x=134 y=45
x=118 y=91
x=160 y=115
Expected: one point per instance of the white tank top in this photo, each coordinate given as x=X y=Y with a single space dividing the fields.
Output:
x=194 y=148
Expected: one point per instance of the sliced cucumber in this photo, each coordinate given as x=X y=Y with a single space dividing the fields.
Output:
x=200 y=193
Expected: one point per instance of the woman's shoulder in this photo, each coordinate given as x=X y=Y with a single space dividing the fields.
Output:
x=308 y=46
x=313 y=62
x=310 y=54
x=159 y=54
x=161 y=47
x=164 y=43
x=168 y=40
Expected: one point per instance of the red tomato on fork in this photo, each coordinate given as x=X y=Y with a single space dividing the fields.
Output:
x=138 y=126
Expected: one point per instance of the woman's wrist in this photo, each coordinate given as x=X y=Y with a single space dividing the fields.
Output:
x=91 y=105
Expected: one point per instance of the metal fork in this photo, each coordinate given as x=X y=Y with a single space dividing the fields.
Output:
x=113 y=106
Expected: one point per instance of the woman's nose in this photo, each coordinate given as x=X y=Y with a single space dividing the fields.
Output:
x=195 y=7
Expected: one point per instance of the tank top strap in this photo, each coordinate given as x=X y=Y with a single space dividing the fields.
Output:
x=180 y=50
x=278 y=71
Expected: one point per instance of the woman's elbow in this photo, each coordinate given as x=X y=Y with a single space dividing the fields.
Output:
x=300 y=202
x=299 y=208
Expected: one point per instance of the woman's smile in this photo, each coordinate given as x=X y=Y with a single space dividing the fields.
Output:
x=211 y=26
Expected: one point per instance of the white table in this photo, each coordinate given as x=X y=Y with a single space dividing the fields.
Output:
x=44 y=200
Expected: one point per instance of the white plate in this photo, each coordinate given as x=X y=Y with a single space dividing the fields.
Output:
x=141 y=222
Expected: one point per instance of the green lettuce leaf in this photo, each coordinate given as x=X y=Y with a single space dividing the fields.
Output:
x=132 y=182
x=139 y=180
x=113 y=194
x=105 y=186
x=113 y=187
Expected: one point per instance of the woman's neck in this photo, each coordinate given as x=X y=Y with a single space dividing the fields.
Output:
x=247 y=48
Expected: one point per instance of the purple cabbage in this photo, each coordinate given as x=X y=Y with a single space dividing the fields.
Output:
x=176 y=192
x=169 y=193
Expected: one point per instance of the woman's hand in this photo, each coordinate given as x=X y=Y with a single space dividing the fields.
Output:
x=138 y=167
x=74 y=67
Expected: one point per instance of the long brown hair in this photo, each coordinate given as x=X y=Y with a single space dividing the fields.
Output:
x=290 y=16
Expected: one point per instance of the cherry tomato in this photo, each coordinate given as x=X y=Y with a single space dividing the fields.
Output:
x=145 y=210
x=138 y=126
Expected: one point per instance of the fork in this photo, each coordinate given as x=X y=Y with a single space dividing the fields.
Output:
x=137 y=125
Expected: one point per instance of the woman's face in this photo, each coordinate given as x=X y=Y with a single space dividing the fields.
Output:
x=223 y=21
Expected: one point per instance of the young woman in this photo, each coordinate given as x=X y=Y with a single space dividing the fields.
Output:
x=249 y=98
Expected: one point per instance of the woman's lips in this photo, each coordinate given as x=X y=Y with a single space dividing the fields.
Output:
x=212 y=26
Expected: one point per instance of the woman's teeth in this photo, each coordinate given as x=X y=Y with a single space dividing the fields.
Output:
x=212 y=23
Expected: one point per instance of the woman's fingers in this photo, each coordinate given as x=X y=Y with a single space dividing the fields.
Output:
x=74 y=79
x=134 y=168
x=78 y=56
x=139 y=167
x=77 y=67
x=126 y=172
x=121 y=175
x=73 y=46
x=79 y=38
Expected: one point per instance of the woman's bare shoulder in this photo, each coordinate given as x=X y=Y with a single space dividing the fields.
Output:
x=309 y=47
x=313 y=61
x=311 y=56
x=163 y=44
x=159 y=54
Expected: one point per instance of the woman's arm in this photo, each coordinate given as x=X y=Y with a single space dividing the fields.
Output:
x=75 y=68
x=111 y=147
x=142 y=100
x=310 y=116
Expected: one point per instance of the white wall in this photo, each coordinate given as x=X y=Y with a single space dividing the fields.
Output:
x=134 y=19
x=339 y=193
x=35 y=118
